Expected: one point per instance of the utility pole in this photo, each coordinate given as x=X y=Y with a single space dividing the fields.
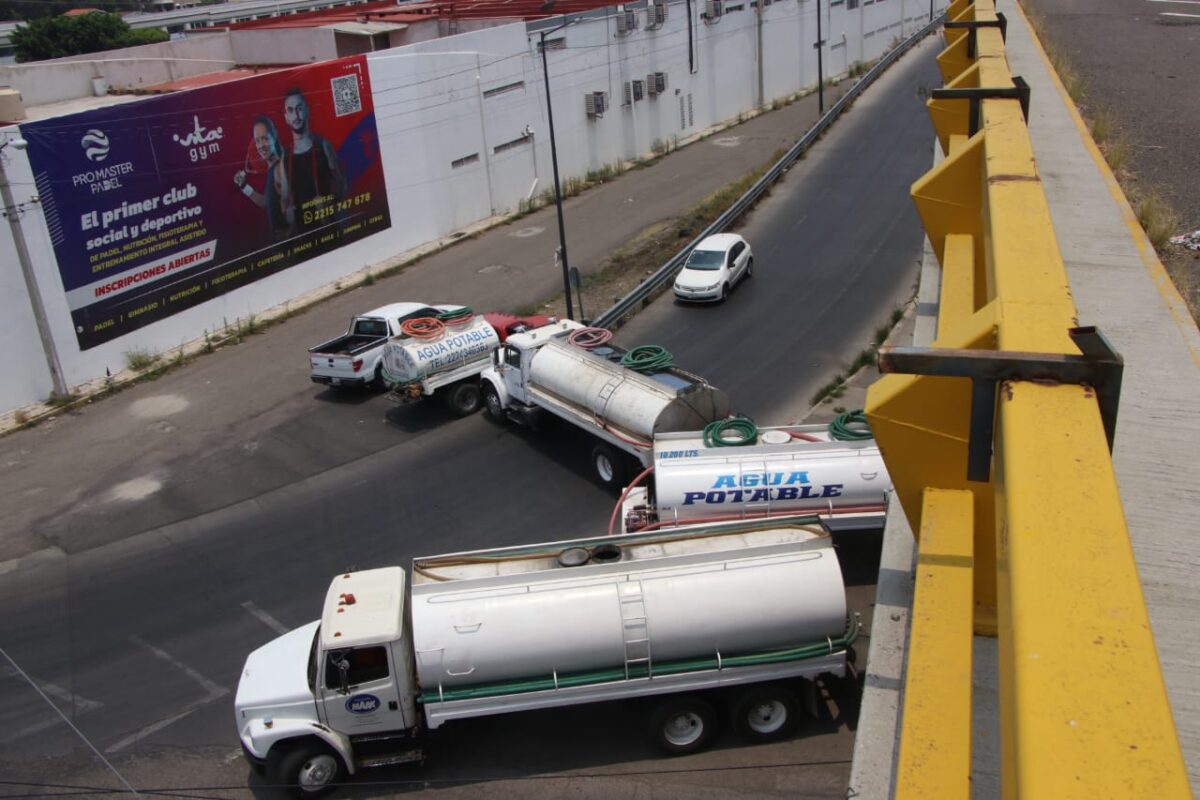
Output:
x=13 y=214
x=562 y=231
x=820 y=45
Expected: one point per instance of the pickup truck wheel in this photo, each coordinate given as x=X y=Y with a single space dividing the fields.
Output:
x=376 y=383
x=308 y=770
x=765 y=713
x=491 y=403
x=682 y=725
x=464 y=399
x=608 y=465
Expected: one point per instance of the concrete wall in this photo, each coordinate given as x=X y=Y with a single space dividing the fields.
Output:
x=464 y=134
x=282 y=46
x=60 y=79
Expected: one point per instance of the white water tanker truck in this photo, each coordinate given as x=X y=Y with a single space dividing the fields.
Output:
x=543 y=372
x=443 y=356
x=729 y=619
x=786 y=471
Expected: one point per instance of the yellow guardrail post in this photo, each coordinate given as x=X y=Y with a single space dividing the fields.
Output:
x=1036 y=531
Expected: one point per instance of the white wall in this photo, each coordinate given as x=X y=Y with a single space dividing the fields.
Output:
x=433 y=107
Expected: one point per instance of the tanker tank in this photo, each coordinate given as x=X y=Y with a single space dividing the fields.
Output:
x=639 y=405
x=495 y=616
x=407 y=359
x=788 y=470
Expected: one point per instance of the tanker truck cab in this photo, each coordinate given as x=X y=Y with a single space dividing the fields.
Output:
x=349 y=704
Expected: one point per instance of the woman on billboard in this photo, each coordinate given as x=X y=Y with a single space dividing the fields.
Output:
x=273 y=198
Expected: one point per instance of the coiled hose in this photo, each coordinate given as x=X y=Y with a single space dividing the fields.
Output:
x=851 y=426
x=587 y=338
x=730 y=432
x=459 y=316
x=423 y=328
x=647 y=358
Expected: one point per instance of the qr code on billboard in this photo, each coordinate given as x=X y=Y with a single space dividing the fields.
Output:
x=345 y=95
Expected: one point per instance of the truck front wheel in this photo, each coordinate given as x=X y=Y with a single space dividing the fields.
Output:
x=308 y=770
x=491 y=403
x=765 y=713
x=463 y=399
x=683 y=725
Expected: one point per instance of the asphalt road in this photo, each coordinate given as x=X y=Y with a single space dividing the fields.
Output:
x=140 y=638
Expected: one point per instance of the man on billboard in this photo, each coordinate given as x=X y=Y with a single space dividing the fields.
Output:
x=314 y=174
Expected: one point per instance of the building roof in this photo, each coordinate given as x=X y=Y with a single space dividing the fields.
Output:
x=388 y=11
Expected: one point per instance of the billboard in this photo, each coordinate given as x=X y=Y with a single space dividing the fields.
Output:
x=156 y=206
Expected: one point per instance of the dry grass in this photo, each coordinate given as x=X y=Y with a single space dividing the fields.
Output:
x=1117 y=152
x=1158 y=219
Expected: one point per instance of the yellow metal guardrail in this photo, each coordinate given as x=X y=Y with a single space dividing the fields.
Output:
x=1035 y=549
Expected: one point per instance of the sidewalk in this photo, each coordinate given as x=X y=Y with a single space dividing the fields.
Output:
x=1119 y=286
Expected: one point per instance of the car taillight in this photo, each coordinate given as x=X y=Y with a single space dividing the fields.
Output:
x=357 y=364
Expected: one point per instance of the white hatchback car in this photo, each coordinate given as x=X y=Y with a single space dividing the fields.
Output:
x=713 y=267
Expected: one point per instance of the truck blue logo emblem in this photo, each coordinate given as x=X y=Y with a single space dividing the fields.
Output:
x=362 y=704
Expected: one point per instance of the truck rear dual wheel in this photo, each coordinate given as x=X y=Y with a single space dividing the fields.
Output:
x=609 y=465
x=765 y=713
x=684 y=724
x=308 y=770
x=463 y=399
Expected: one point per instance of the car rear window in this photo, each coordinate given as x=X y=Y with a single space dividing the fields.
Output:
x=706 y=259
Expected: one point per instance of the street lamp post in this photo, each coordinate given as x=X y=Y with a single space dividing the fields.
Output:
x=562 y=231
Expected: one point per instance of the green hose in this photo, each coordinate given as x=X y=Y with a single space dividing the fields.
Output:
x=851 y=426
x=450 y=316
x=743 y=432
x=804 y=652
x=647 y=358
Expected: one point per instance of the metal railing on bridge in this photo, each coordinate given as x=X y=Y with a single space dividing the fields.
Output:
x=998 y=441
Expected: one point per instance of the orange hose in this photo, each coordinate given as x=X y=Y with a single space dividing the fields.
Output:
x=423 y=328
x=612 y=521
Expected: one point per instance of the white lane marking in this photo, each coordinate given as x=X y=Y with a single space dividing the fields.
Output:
x=1185 y=2
x=265 y=618
x=81 y=705
x=1171 y=14
x=212 y=690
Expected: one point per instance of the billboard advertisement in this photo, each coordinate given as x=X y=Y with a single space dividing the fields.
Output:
x=158 y=205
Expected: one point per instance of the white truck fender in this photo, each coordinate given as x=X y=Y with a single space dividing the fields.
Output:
x=490 y=377
x=259 y=739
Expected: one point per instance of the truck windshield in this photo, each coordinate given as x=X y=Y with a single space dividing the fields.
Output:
x=705 y=259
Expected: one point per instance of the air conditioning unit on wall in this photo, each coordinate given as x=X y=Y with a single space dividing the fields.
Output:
x=656 y=15
x=634 y=91
x=595 y=103
x=713 y=9
x=627 y=22
x=656 y=83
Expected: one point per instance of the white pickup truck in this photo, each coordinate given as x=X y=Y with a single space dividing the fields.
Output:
x=356 y=357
